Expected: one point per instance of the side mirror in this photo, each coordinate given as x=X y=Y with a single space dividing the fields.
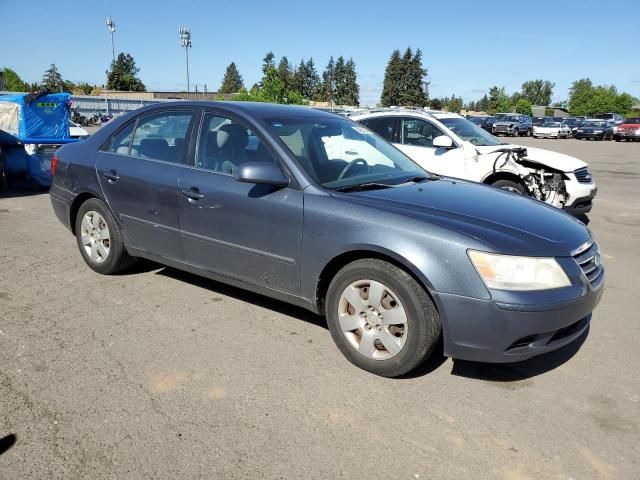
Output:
x=442 y=142
x=262 y=173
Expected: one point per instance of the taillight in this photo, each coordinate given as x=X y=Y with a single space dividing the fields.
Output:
x=54 y=165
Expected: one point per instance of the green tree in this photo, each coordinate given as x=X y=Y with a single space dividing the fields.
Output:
x=52 y=80
x=83 y=88
x=328 y=93
x=454 y=104
x=271 y=90
x=11 y=82
x=392 y=81
x=311 y=84
x=269 y=61
x=122 y=75
x=404 y=80
x=285 y=73
x=232 y=81
x=625 y=103
x=482 y=105
x=347 y=90
x=523 y=106
x=538 y=92
x=498 y=100
x=436 y=104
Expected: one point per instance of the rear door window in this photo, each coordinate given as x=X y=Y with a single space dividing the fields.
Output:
x=122 y=140
x=161 y=136
x=383 y=126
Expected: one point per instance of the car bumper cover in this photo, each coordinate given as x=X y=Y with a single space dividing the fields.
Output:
x=490 y=331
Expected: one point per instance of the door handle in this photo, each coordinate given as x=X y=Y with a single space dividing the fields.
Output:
x=192 y=194
x=111 y=176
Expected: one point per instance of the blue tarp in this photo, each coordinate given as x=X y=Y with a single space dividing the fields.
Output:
x=29 y=164
x=43 y=120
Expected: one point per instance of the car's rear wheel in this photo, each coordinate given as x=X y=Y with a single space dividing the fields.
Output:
x=380 y=318
x=509 y=185
x=100 y=239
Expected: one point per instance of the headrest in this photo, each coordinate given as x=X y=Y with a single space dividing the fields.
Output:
x=232 y=135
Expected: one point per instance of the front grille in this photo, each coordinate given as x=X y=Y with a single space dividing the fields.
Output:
x=590 y=261
x=583 y=175
x=501 y=128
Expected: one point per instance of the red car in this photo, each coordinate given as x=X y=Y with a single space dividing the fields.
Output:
x=629 y=130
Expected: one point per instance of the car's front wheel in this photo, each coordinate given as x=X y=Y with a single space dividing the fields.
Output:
x=380 y=318
x=509 y=185
x=100 y=239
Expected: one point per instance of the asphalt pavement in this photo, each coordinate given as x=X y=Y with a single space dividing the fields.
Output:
x=161 y=374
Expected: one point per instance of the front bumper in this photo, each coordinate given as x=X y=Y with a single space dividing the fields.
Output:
x=579 y=195
x=579 y=135
x=499 y=332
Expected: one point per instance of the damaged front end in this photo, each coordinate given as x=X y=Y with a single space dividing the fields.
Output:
x=540 y=181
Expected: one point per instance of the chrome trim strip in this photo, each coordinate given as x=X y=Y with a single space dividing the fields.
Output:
x=583 y=248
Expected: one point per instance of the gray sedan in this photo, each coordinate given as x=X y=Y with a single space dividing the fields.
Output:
x=315 y=210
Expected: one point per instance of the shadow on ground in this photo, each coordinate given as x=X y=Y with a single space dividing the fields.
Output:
x=7 y=442
x=244 y=296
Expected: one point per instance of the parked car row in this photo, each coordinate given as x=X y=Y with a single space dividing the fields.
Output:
x=316 y=210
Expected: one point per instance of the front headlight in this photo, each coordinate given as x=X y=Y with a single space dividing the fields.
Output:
x=508 y=272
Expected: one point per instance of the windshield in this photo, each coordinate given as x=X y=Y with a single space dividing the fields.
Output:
x=632 y=120
x=510 y=118
x=477 y=120
x=338 y=153
x=552 y=124
x=571 y=121
x=470 y=132
x=605 y=116
x=595 y=123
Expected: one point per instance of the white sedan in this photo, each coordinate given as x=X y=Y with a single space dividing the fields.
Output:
x=552 y=130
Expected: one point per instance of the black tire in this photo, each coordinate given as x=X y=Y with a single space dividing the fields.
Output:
x=509 y=185
x=117 y=259
x=529 y=132
x=423 y=321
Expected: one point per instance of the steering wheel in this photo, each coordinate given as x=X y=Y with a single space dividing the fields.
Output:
x=350 y=165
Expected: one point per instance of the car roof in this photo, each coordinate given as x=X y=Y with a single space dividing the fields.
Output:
x=394 y=112
x=253 y=109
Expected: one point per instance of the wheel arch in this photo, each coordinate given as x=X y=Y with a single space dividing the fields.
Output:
x=363 y=252
x=502 y=175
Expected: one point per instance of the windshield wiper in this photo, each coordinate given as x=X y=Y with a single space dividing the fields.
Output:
x=421 y=178
x=363 y=186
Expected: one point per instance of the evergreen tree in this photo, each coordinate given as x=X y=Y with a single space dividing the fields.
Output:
x=347 y=90
x=122 y=75
x=52 y=79
x=269 y=61
x=232 y=81
x=298 y=77
x=392 y=81
x=404 y=82
x=285 y=73
x=311 y=85
x=329 y=82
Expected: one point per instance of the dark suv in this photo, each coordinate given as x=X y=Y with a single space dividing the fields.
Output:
x=513 y=125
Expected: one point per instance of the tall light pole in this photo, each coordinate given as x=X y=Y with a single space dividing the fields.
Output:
x=185 y=41
x=111 y=25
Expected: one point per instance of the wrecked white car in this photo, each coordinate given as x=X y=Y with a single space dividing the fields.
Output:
x=450 y=145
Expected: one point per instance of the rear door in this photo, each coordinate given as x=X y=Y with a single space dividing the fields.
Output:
x=246 y=231
x=138 y=171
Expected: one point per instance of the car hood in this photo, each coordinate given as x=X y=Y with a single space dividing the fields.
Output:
x=508 y=222
x=504 y=122
x=558 y=161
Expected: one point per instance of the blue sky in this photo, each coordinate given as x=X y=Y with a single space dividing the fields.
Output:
x=468 y=46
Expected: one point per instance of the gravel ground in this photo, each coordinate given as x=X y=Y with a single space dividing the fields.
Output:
x=161 y=374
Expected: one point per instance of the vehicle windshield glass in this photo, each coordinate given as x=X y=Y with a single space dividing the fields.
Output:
x=595 y=123
x=605 y=116
x=476 y=120
x=510 y=118
x=552 y=124
x=571 y=121
x=338 y=153
x=470 y=132
x=632 y=120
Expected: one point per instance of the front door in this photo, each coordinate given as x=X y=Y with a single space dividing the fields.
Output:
x=138 y=172
x=246 y=231
x=416 y=140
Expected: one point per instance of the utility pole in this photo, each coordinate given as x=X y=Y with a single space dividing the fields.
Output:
x=111 y=25
x=185 y=41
